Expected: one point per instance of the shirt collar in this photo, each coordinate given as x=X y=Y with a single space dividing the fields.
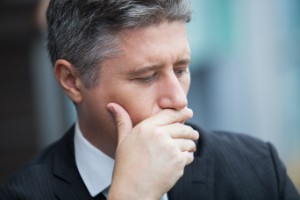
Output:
x=95 y=167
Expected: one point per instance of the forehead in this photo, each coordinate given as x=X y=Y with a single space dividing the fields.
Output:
x=161 y=45
x=163 y=42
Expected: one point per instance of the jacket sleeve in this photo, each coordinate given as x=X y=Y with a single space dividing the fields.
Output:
x=286 y=189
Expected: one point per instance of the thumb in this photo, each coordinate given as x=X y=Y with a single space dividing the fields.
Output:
x=122 y=120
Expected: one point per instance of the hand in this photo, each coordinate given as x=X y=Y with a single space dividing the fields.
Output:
x=150 y=157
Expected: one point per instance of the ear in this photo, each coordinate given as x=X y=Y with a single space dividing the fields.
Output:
x=68 y=78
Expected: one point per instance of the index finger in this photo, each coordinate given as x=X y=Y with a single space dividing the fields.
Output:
x=170 y=116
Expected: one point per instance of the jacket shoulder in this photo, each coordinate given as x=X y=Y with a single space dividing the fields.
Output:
x=35 y=179
x=30 y=177
x=245 y=164
x=236 y=143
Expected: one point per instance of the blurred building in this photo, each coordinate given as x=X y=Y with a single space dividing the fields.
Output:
x=246 y=71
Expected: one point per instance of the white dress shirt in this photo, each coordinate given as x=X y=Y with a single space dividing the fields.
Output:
x=94 y=166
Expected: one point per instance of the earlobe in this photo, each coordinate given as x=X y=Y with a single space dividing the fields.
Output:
x=68 y=79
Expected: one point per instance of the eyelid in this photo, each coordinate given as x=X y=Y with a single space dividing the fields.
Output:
x=183 y=66
x=182 y=69
x=147 y=78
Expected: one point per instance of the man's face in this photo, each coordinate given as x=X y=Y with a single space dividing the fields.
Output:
x=151 y=74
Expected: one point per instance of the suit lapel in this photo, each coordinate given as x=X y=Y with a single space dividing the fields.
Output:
x=69 y=184
x=196 y=183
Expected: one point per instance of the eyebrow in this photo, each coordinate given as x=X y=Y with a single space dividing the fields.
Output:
x=143 y=70
x=185 y=61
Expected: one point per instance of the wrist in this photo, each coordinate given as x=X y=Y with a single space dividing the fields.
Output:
x=126 y=192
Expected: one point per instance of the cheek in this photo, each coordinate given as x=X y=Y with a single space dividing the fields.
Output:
x=139 y=103
x=185 y=84
x=140 y=108
x=97 y=107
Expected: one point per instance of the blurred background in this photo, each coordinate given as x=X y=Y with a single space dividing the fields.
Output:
x=245 y=77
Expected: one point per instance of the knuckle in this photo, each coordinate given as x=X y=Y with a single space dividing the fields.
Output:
x=172 y=149
x=196 y=133
x=189 y=131
x=120 y=122
x=181 y=172
x=143 y=127
x=157 y=134
x=192 y=145
x=190 y=158
x=156 y=130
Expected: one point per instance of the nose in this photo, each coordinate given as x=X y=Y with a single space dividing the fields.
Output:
x=172 y=93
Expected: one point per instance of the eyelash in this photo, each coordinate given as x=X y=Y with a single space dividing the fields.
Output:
x=147 y=79
x=181 y=72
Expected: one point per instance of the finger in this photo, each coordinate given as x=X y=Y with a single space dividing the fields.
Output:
x=170 y=116
x=122 y=120
x=188 y=156
x=177 y=131
x=185 y=145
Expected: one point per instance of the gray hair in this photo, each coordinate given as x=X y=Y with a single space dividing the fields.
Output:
x=84 y=31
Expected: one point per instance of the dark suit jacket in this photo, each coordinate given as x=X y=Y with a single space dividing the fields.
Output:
x=226 y=167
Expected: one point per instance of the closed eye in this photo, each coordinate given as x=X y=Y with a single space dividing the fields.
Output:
x=180 y=72
x=148 y=78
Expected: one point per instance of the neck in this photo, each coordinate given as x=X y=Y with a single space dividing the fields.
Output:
x=103 y=138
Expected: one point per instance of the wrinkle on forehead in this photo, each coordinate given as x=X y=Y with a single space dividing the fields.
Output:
x=154 y=45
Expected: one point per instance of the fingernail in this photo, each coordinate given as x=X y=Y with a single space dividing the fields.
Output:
x=111 y=109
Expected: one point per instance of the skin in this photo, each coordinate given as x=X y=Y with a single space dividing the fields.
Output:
x=135 y=113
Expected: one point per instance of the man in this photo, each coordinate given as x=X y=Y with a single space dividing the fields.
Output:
x=124 y=64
